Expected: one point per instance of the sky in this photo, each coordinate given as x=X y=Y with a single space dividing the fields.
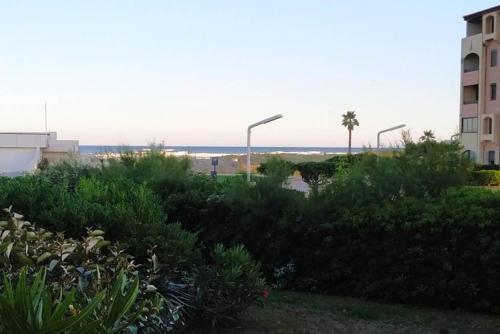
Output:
x=199 y=72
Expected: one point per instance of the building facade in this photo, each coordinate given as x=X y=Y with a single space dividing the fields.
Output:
x=21 y=152
x=479 y=87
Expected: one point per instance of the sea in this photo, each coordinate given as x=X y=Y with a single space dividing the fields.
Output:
x=213 y=151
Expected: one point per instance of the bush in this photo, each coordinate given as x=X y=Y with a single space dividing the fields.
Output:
x=439 y=252
x=316 y=173
x=485 y=178
x=29 y=308
x=486 y=167
x=93 y=263
x=259 y=216
x=388 y=228
x=229 y=285
x=277 y=169
x=74 y=272
x=127 y=212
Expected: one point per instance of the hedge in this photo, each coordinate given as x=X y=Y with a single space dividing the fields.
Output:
x=485 y=178
x=442 y=252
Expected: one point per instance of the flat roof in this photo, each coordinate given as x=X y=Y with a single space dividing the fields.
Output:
x=24 y=133
x=481 y=13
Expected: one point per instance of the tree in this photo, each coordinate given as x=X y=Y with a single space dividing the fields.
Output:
x=406 y=137
x=349 y=121
x=427 y=136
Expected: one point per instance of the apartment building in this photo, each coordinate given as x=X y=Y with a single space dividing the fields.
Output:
x=480 y=83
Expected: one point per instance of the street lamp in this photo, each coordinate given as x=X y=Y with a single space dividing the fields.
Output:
x=249 y=132
x=387 y=130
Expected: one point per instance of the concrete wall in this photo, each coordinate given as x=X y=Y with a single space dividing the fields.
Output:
x=491 y=36
x=23 y=139
x=21 y=152
x=14 y=161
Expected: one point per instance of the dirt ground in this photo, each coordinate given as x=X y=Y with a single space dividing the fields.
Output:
x=288 y=312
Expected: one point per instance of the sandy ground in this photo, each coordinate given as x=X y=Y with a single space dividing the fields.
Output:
x=233 y=164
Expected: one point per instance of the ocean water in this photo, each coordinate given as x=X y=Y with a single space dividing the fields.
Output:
x=219 y=150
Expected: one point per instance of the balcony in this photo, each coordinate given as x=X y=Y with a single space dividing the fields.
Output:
x=489 y=22
x=470 y=78
x=487 y=137
x=472 y=44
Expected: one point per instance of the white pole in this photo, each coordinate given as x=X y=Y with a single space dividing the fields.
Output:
x=387 y=130
x=46 y=117
x=249 y=153
x=249 y=132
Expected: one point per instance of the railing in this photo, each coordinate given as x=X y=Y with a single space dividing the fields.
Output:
x=470 y=102
x=471 y=70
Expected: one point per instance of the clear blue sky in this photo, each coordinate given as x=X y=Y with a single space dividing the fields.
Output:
x=198 y=72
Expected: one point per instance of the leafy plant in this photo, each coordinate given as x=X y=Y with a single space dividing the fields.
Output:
x=277 y=169
x=229 y=285
x=88 y=267
x=29 y=308
x=114 y=311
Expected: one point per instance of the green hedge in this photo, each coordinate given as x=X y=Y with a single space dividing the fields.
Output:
x=485 y=178
x=313 y=173
x=442 y=252
x=385 y=227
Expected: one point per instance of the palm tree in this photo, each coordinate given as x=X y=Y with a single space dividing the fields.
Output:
x=428 y=136
x=349 y=121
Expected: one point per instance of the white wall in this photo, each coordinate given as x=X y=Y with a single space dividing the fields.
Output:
x=23 y=139
x=15 y=161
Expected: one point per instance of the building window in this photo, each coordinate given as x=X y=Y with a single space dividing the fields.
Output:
x=490 y=24
x=469 y=155
x=493 y=91
x=491 y=157
x=471 y=62
x=493 y=57
x=469 y=125
x=470 y=94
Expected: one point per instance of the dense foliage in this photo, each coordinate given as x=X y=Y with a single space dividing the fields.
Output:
x=486 y=177
x=97 y=278
x=399 y=227
x=93 y=264
x=441 y=251
x=314 y=173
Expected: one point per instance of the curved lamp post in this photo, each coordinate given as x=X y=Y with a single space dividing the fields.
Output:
x=249 y=132
x=387 y=130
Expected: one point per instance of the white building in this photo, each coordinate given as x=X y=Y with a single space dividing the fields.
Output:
x=21 y=152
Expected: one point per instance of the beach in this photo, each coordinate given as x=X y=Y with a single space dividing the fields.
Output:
x=231 y=160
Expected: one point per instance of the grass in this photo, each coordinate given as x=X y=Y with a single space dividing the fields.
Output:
x=224 y=177
x=292 y=312
x=348 y=307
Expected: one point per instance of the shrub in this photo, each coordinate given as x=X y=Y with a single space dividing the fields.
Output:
x=177 y=249
x=277 y=169
x=485 y=178
x=92 y=264
x=259 y=216
x=29 y=308
x=228 y=286
x=127 y=212
x=486 y=167
x=82 y=270
x=316 y=173
x=440 y=251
